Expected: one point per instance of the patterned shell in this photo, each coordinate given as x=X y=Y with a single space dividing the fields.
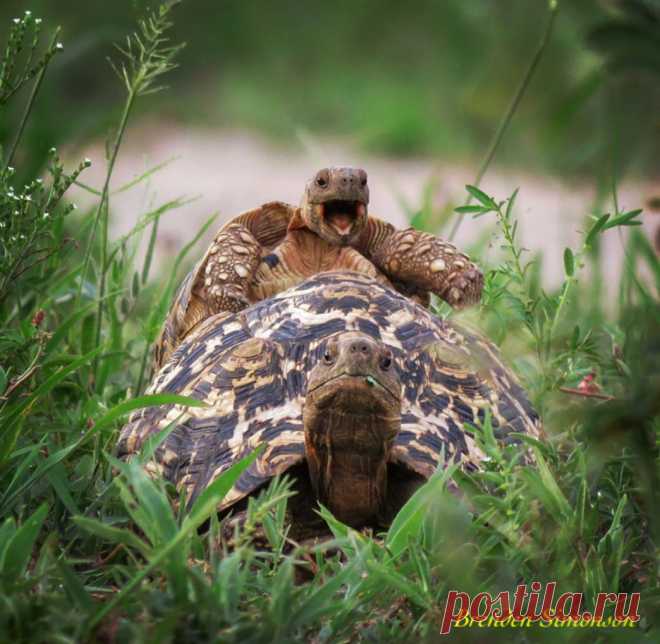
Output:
x=251 y=369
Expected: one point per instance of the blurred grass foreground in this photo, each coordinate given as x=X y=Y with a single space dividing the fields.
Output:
x=91 y=549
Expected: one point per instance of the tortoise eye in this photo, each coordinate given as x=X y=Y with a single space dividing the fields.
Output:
x=386 y=361
x=322 y=182
x=328 y=358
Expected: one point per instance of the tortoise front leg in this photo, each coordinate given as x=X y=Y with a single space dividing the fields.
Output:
x=230 y=266
x=218 y=283
x=425 y=262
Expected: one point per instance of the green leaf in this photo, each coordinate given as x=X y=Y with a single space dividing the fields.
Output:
x=55 y=379
x=150 y=250
x=10 y=495
x=409 y=520
x=595 y=229
x=14 y=420
x=74 y=587
x=145 y=501
x=339 y=530
x=559 y=503
x=281 y=585
x=19 y=467
x=509 y=206
x=7 y=531
x=3 y=380
x=150 y=445
x=569 y=262
x=575 y=338
x=530 y=440
x=470 y=209
x=484 y=432
x=87 y=333
x=393 y=578
x=209 y=500
x=57 y=478
x=486 y=201
x=112 y=534
x=319 y=602
x=625 y=219
x=135 y=286
x=65 y=325
x=145 y=175
x=19 y=550
x=148 y=400
x=205 y=505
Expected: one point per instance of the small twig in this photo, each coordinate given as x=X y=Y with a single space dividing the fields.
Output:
x=31 y=100
x=305 y=555
x=84 y=186
x=513 y=106
x=585 y=394
x=40 y=260
x=111 y=555
x=396 y=606
x=24 y=377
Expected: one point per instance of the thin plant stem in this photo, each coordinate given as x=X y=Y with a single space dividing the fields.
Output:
x=101 y=216
x=145 y=276
x=513 y=106
x=615 y=195
x=30 y=104
x=143 y=369
x=148 y=57
x=150 y=250
x=570 y=281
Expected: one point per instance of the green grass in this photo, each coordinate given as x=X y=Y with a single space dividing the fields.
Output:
x=93 y=549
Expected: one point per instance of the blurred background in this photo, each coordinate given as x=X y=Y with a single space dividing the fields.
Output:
x=268 y=92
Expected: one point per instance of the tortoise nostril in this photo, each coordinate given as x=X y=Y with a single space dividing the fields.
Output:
x=361 y=347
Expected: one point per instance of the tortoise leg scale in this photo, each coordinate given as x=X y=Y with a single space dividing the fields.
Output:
x=427 y=262
x=230 y=267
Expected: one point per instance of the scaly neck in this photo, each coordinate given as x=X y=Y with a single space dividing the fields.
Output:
x=347 y=455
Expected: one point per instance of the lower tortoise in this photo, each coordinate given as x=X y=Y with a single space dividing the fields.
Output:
x=356 y=391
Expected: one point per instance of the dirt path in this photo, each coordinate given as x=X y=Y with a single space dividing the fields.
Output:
x=233 y=171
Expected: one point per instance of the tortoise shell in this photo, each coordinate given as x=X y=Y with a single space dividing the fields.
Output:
x=251 y=369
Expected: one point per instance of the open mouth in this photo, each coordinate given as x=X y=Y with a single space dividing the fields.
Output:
x=341 y=215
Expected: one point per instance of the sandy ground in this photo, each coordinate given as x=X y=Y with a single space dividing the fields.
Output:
x=229 y=172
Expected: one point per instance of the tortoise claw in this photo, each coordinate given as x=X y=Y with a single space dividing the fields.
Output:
x=463 y=289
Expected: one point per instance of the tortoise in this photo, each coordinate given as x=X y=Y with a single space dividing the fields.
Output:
x=271 y=248
x=356 y=391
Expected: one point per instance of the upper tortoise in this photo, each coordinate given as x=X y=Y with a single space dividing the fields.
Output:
x=271 y=248
x=354 y=389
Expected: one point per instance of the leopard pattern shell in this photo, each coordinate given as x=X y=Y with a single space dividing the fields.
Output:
x=250 y=369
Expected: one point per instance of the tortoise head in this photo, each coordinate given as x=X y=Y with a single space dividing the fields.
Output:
x=351 y=416
x=334 y=204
